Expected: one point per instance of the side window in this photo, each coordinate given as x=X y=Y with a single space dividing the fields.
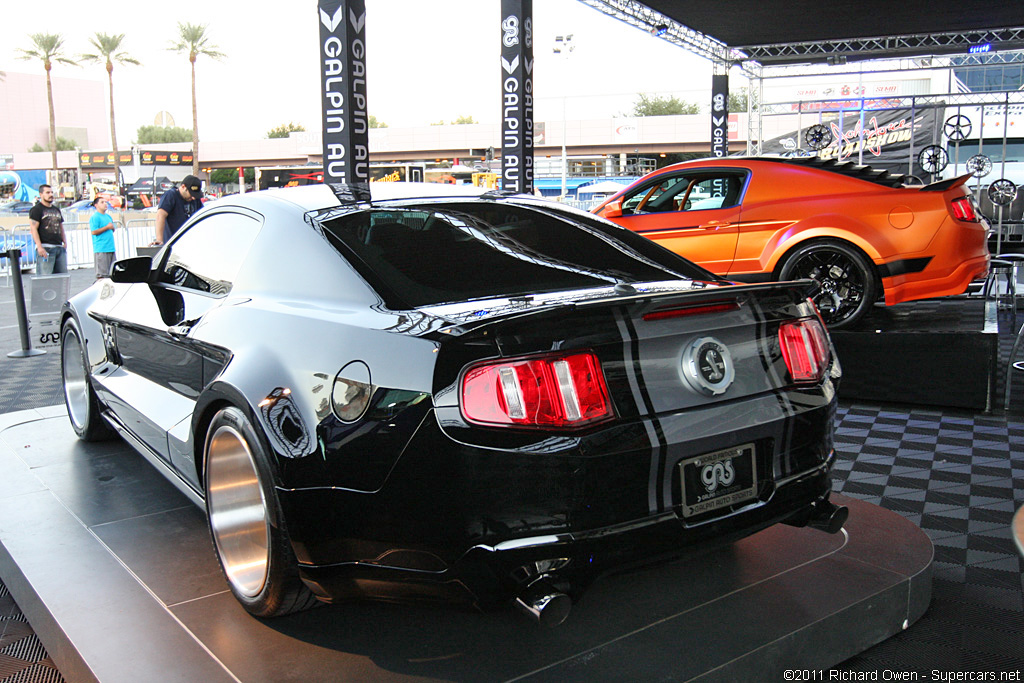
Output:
x=207 y=256
x=692 y=191
x=655 y=198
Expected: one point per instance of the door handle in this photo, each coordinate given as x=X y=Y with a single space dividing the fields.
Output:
x=714 y=225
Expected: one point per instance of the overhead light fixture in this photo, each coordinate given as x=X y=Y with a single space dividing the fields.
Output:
x=659 y=30
x=984 y=47
x=836 y=60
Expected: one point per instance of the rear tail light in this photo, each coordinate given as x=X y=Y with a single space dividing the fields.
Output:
x=963 y=210
x=805 y=349
x=549 y=391
x=682 y=311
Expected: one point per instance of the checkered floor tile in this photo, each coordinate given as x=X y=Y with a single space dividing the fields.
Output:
x=22 y=657
x=960 y=477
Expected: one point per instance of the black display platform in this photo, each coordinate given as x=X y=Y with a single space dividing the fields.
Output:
x=114 y=569
x=939 y=352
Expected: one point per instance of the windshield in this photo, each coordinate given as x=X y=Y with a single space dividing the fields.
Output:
x=460 y=251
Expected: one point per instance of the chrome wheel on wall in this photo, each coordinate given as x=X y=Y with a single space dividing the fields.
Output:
x=248 y=530
x=846 y=279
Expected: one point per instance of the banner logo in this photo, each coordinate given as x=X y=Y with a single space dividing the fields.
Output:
x=510 y=28
x=719 y=474
x=332 y=22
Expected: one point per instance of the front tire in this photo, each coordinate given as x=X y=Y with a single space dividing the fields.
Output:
x=246 y=523
x=846 y=279
x=79 y=397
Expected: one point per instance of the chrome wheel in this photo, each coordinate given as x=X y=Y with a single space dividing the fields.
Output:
x=76 y=386
x=238 y=511
x=84 y=409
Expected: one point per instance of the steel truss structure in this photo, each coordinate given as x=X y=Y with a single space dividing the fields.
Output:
x=787 y=60
x=883 y=47
x=641 y=16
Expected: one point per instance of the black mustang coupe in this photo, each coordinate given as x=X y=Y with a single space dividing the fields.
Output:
x=447 y=395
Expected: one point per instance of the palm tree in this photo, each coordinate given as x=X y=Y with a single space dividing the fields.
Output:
x=108 y=49
x=48 y=47
x=192 y=39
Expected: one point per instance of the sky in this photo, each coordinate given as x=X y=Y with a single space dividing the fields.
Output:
x=427 y=60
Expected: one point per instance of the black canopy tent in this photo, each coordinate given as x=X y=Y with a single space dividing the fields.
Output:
x=147 y=185
x=806 y=31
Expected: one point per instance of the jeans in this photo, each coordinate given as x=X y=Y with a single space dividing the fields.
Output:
x=56 y=261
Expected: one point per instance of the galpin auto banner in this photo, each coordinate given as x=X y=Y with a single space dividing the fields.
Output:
x=882 y=138
x=720 y=115
x=343 y=77
x=517 y=95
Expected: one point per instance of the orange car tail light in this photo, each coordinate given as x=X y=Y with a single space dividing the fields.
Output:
x=963 y=210
x=805 y=349
x=551 y=391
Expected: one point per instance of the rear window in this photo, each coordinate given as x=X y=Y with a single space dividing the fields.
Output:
x=459 y=251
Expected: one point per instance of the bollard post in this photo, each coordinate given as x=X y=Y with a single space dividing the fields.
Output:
x=14 y=260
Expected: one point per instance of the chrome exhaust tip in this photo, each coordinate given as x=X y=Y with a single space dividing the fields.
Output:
x=829 y=517
x=544 y=604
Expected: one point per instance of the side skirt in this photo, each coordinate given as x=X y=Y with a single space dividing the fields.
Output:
x=155 y=460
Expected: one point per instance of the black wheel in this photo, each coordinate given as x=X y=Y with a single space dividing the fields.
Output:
x=957 y=127
x=847 y=280
x=818 y=137
x=79 y=397
x=933 y=159
x=248 y=529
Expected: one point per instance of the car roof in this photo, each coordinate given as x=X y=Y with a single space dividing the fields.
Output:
x=849 y=169
x=321 y=196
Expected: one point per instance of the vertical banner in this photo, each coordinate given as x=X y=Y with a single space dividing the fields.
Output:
x=343 y=76
x=720 y=115
x=517 y=96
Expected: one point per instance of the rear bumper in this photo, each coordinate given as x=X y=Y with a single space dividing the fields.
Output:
x=461 y=522
x=488 y=575
x=926 y=285
x=959 y=254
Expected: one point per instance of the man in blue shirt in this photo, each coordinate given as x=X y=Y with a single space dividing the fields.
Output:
x=101 y=225
x=177 y=206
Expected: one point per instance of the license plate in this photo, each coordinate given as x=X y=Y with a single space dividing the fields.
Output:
x=716 y=480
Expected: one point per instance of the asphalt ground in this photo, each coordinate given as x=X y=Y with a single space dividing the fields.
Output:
x=33 y=381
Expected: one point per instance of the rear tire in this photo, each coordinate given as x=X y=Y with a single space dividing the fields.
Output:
x=246 y=523
x=846 y=278
x=79 y=398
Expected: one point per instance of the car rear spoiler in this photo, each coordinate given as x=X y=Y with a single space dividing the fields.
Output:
x=944 y=185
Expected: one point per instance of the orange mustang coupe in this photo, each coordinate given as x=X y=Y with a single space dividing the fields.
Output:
x=858 y=231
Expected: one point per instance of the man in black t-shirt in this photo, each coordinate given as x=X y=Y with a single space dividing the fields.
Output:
x=47 y=225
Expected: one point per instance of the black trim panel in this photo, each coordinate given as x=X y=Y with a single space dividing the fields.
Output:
x=904 y=266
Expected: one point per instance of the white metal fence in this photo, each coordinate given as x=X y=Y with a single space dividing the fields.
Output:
x=137 y=233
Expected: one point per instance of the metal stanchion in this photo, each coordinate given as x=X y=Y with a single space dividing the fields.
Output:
x=14 y=260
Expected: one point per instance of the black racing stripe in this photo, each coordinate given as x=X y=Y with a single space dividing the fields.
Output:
x=659 y=432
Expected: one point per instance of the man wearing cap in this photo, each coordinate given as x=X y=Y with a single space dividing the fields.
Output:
x=177 y=206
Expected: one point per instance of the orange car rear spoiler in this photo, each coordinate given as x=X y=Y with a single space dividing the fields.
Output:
x=944 y=185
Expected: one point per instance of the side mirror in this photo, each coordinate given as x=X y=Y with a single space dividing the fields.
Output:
x=135 y=269
x=612 y=209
